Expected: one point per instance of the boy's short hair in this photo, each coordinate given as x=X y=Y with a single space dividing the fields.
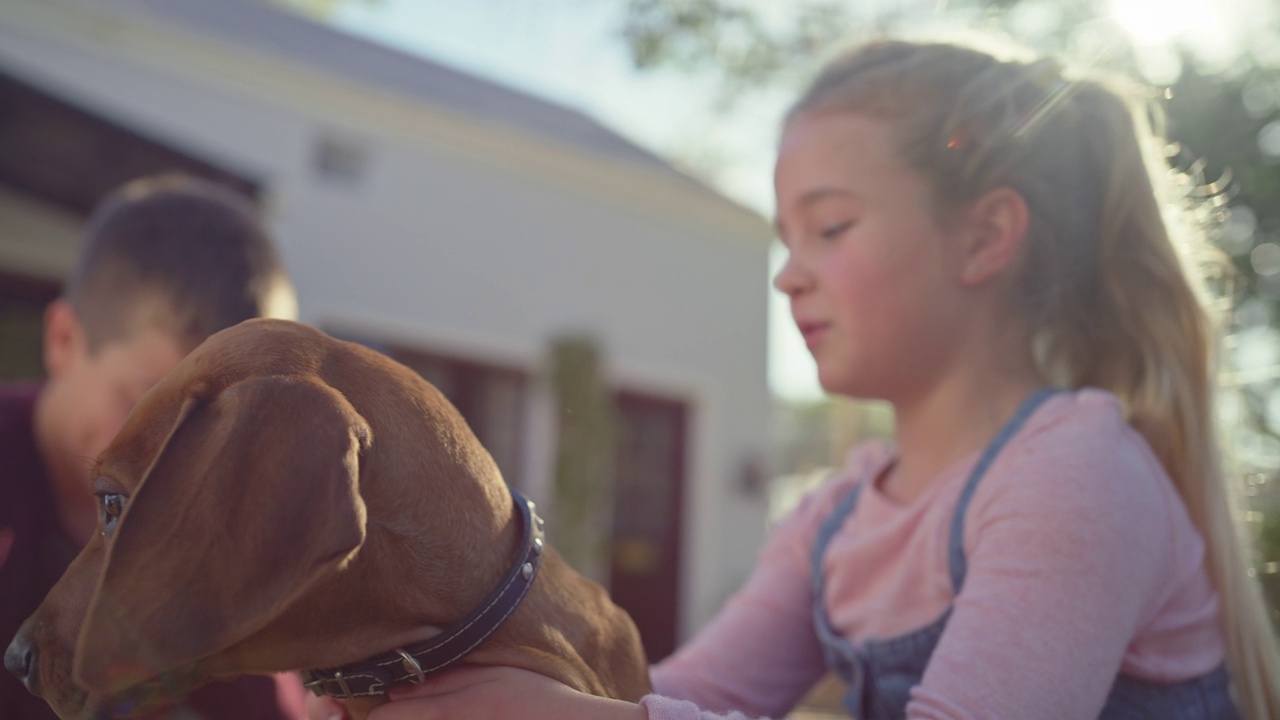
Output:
x=188 y=254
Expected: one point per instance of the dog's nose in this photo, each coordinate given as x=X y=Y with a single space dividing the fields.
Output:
x=20 y=659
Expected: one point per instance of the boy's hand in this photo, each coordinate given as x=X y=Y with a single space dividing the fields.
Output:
x=484 y=693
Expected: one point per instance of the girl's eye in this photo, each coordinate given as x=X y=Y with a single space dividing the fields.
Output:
x=834 y=231
x=110 y=507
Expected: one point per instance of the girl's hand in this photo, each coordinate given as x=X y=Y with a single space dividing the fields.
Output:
x=484 y=693
x=325 y=708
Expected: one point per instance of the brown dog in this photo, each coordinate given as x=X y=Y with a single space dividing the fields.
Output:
x=286 y=501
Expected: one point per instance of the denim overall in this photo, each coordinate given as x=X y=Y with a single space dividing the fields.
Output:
x=881 y=673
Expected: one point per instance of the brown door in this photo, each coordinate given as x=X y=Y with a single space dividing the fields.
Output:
x=645 y=576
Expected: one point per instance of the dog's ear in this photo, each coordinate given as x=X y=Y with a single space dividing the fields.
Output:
x=253 y=498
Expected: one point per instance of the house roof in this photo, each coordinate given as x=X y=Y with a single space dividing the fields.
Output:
x=257 y=25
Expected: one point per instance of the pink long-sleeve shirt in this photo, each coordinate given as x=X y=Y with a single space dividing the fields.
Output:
x=1082 y=563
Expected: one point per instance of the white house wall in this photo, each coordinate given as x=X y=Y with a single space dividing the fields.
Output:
x=452 y=247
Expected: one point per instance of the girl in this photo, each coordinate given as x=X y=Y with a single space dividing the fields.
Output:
x=964 y=234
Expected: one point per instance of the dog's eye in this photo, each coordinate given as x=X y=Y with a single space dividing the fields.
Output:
x=110 y=506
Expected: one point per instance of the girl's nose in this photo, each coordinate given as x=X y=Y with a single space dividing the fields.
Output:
x=792 y=279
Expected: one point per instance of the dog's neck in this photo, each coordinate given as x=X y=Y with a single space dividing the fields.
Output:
x=375 y=675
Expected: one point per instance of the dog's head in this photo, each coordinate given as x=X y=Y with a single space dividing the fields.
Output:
x=231 y=522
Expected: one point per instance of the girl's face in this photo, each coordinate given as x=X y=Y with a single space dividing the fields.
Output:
x=873 y=279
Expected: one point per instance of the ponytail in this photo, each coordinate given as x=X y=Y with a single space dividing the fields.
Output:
x=1154 y=348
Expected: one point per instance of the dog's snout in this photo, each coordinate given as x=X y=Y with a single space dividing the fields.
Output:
x=20 y=659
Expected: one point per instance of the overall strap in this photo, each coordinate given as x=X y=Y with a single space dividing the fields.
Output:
x=839 y=654
x=828 y=530
x=955 y=549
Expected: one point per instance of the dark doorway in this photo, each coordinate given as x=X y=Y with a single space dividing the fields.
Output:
x=648 y=512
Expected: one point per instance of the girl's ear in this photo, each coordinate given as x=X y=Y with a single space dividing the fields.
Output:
x=997 y=224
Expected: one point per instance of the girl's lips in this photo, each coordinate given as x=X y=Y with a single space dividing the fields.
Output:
x=813 y=332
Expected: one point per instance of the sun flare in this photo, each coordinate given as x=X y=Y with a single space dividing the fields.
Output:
x=1159 y=23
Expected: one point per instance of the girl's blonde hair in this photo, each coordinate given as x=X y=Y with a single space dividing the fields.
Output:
x=1111 y=299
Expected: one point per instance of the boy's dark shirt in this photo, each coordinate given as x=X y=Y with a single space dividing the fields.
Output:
x=39 y=553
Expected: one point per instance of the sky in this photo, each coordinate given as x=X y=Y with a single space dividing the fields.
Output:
x=571 y=52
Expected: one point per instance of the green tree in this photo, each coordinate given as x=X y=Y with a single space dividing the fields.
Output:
x=581 y=517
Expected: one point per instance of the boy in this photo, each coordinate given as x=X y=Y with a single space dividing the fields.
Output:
x=166 y=262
